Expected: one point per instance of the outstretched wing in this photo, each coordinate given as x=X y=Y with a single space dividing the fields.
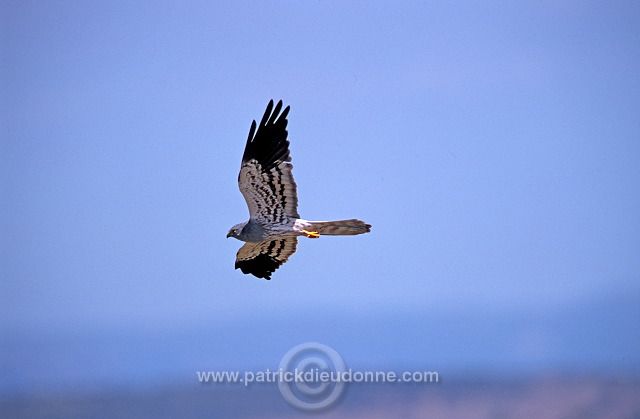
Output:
x=265 y=178
x=263 y=258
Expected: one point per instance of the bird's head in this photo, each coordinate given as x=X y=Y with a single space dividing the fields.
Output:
x=236 y=230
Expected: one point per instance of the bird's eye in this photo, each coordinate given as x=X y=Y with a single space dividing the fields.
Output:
x=234 y=231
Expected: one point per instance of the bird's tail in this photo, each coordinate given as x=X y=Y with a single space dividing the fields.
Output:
x=340 y=228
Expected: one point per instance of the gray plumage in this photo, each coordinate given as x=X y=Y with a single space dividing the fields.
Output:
x=267 y=184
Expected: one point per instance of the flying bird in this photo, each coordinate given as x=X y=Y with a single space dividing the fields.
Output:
x=266 y=182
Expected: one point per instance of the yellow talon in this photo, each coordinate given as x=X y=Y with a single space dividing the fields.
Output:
x=311 y=234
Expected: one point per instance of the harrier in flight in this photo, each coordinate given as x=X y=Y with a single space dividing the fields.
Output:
x=266 y=182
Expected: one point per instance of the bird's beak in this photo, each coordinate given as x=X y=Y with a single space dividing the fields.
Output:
x=229 y=234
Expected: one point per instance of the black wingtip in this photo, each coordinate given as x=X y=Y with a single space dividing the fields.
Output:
x=267 y=113
x=252 y=132
x=267 y=142
x=260 y=267
x=276 y=111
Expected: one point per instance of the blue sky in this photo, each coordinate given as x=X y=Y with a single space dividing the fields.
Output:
x=494 y=147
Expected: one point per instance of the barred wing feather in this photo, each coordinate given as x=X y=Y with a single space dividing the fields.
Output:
x=265 y=178
x=263 y=258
